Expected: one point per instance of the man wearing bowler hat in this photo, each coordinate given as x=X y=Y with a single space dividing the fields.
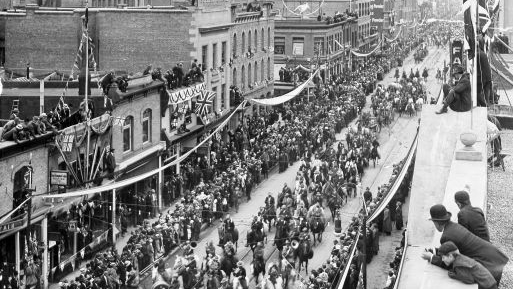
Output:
x=470 y=217
x=458 y=98
x=468 y=244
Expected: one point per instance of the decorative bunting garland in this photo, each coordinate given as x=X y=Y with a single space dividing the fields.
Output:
x=185 y=94
x=286 y=97
x=366 y=54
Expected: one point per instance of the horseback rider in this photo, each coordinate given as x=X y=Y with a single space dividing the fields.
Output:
x=258 y=261
x=304 y=235
x=239 y=274
x=288 y=255
x=269 y=200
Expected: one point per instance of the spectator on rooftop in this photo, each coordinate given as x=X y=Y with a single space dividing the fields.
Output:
x=470 y=217
x=470 y=245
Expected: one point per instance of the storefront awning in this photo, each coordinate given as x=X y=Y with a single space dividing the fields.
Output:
x=156 y=148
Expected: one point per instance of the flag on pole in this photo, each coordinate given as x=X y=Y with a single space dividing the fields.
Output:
x=484 y=17
x=469 y=19
x=494 y=8
x=205 y=102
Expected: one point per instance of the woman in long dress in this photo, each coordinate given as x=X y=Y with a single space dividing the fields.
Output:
x=399 y=216
x=387 y=221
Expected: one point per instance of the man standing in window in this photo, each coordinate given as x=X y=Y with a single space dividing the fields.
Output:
x=109 y=162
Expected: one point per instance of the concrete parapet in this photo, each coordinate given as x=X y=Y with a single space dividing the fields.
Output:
x=438 y=174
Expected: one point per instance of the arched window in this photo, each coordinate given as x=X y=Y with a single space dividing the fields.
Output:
x=269 y=37
x=249 y=41
x=128 y=134
x=256 y=71
x=250 y=81
x=243 y=78
x=256 y=42
x=262 y=66
x=243 y=43
x=234 y=44
x=262 y=35
x=146 y=126
x=268 y=68
x=234 y=77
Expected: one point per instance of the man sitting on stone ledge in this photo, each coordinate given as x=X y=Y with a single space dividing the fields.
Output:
x=458 y=98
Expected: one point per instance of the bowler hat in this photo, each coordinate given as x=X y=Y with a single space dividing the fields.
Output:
x=461 y=197
x=439 y=213
x=447 y=247
x=457 y=69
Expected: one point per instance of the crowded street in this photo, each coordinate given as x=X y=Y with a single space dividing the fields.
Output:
x=254 y=145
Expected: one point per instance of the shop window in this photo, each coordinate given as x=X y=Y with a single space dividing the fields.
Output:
x=128 y=134
x=146 y=126
x=279 y=45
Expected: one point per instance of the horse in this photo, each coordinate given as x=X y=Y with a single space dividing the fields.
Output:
x=269 y=214
x=334 y=203
x=374 y=155
x=317 y=227
x=281 y=234
x=253 y=237
x=304 y=253
x=410 y=108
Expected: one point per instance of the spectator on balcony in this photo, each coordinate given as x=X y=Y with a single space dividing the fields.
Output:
x=178 y=72
x=470 y=245
x=470 y=217
x=15 y=113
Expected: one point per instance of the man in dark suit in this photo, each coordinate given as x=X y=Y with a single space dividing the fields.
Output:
x=470 y=217
x=469 y=244
x=458 y=98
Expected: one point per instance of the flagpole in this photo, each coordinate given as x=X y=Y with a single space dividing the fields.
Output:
x=86 y=89
x=474 y=68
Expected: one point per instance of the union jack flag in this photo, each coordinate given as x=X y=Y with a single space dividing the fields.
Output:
x=205 y=102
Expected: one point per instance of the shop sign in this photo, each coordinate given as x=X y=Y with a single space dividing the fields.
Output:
x=59 y=178
x=11 y=226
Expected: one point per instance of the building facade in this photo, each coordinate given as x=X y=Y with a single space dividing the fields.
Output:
x=311 y=44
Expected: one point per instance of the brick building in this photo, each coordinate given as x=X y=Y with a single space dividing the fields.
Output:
x=251 y=57
x=312 y=43
x=366 y=37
